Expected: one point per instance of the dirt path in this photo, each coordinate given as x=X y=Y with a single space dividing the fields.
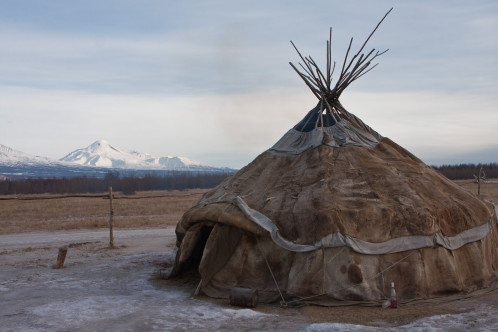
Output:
x=102 y=289
x=61 y=237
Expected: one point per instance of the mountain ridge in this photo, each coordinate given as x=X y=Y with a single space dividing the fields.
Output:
x=102 y=154
x=97 y=159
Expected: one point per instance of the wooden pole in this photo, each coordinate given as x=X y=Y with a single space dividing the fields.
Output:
x=479 y=183
x=352 y=68
x=61 y=257
x=111 y=214
x=480 y=179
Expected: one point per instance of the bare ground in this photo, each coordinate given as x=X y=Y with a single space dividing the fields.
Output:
x=119 y=289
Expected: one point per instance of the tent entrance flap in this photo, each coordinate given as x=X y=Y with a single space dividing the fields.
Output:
x=206 y=247
x=189 y=255
x=218 y=249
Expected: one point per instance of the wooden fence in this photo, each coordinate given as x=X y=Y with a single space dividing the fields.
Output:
x=110 y=196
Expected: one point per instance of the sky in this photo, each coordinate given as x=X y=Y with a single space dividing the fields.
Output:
x=211 y=81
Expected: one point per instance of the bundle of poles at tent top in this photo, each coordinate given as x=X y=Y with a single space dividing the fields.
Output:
x=352 y=69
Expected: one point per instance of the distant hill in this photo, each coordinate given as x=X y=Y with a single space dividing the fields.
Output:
x=97 y=160
x=102 y=154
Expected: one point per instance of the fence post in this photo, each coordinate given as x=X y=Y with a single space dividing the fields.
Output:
x=480 y=179
x=61 y=257
x=111 y=214
x=479 y=183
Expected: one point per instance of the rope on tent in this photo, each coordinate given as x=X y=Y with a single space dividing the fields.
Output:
x=283 y=303
x=348 y=287
x=332 y=259
x=492 y=213
x=337 y=254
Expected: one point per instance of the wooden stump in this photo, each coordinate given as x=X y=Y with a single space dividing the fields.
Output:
x=61 y=257
x=244 y=297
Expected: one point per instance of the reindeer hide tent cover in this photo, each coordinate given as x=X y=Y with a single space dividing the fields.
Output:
x=335 y=212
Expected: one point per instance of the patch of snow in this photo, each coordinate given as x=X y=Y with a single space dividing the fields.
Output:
x=77 y=312
x=218 y=313
x=111 y=290
x=482 y=319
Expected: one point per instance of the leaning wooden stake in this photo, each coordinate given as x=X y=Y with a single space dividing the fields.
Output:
x=111 y=214
x=61 y=257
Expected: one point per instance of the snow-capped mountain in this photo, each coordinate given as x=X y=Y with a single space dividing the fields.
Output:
x=11 y=157
x=16 y=164
x=98 y=160
x=102 y=154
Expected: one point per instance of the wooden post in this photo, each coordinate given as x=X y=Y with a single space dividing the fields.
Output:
x=479 y=184
x=111 y=214
x=61 y=257
x=479 y=179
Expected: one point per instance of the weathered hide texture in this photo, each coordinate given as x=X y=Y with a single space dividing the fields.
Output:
x=373 y=194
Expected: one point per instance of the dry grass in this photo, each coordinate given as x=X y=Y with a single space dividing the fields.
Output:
x=489 y=191
x=85 y=213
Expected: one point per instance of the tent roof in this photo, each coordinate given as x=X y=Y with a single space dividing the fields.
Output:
x=330 y=192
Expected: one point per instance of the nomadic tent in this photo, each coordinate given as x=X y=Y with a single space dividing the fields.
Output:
x=333 y=212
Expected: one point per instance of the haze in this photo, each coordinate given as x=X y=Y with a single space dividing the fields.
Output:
x=210 y=80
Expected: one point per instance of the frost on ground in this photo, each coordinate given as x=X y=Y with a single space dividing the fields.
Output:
x=102 y=289
x=482 y=319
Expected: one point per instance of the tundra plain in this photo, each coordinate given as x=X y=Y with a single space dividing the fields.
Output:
x=120 y=289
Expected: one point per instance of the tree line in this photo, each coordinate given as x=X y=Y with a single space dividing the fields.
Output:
x=127 y=184
x=175 y=181
x=467 y=171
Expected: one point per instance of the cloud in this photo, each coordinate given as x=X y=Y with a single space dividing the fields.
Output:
x=197 y=48
x=211 y=80
x=96 y=63
x=432 y=125
x=236 y=127
x=164 y=125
